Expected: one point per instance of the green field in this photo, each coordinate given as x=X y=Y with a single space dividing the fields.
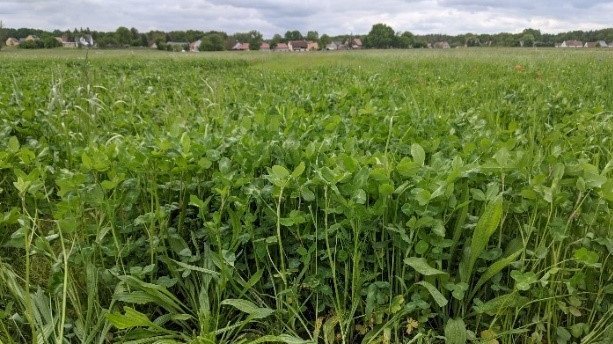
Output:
x=415 y=196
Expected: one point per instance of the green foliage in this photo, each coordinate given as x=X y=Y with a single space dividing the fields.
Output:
x=224 y=198
x=381 y=36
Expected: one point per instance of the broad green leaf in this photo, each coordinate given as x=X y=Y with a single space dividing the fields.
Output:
x=487 y=224
x=307 y=194
x=422 y=196
x=359 y=196
x=455 y=331
x=284 y=338
x=418 y=154
x=186 y=143
x=587 y=257
x=298 y=170
x=493 y=269
x=606 y=191
x=407 y=168
x=523 y=280
x=280 y=172
x=195 y=268
x=328 y=329
x=440 y=300
x=249 y=307
x=386 y=189
x=195 y=201
x=130 y=319
x=421 y=265
x=594 y=180
x=13 y=145
x=501 y=304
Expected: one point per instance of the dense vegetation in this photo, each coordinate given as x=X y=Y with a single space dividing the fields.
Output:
x=363 y=197
x=381 y=36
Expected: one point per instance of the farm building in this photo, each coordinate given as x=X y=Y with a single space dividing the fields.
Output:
x=31 y=38
x=571 y=44
x=299 y=45
x=12 y=42
x=195 y=46
x=441 y=45
x=332 y=46
x=65 y=43
x=312 y=46
x=264 y=46
x=602 y=44
x=241 y=46
x=354 y=43
x=86 y=41
x=282 y=47
x=590 y=45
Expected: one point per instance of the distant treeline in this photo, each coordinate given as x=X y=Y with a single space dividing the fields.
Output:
x=381 y=36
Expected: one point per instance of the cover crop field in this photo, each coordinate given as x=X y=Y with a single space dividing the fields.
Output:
x=353 y=197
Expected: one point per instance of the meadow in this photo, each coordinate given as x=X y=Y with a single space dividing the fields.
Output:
x=416 y=196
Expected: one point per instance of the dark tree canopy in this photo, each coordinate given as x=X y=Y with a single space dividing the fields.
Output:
x=293 y=35
x=381 y=36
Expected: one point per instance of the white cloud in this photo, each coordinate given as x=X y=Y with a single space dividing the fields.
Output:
x=332 y=17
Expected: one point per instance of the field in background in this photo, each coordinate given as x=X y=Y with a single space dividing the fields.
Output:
x=336 y=197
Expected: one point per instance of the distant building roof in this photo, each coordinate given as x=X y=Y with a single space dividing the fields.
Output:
x=300 y=44
x=441 y=45
x=264 y=46
x=572 y=44
x=281 y=46
x=241 y=46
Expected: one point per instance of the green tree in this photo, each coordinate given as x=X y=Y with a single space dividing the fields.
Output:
x=381 y=36
x=213 y=42
x=254 y=38
x=276 y=39
x=2 y=39
x=293 y=35
x=405 y=40
x=527 y=40
x=50 y=42
x=324 y=40
x=312 y=36
x=123 y=36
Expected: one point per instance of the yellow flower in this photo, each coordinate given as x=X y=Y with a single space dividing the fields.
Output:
x=412 y=324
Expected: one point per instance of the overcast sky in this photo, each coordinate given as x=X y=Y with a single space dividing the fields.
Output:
x=325 y=16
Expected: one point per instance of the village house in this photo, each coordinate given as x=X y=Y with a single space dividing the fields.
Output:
x=571 y=44
x=312 y=46
x=265 y=46
x=86 y=41
x=65 y=43
x=282 y=47
x=332 y=46
x=590 y=45
x=602 y=44
x=355 y=43
x=299 y=45
x=241 y=46
x=194 y=47
x=12 y=42
x=31 y=38
x=441 y=45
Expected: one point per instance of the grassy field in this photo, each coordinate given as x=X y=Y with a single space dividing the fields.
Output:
x=415 y=196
